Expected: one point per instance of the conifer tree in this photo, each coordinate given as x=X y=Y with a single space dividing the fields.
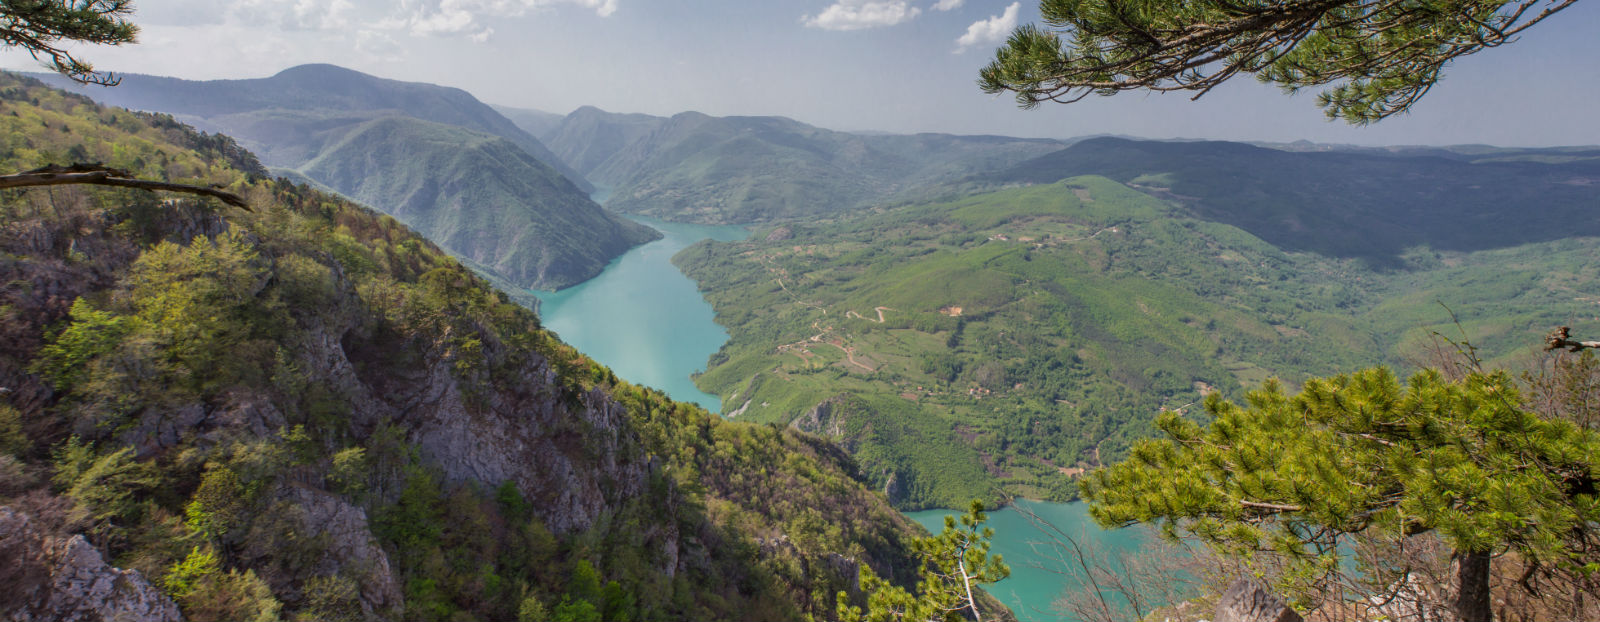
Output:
x=1291 y=474
x=1378 y=56
x=954 y=564
x=41 y=27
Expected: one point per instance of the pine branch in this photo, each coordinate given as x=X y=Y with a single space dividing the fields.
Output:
x=106 y=176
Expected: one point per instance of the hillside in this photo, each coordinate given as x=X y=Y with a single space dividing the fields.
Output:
x=319 y=87
x=543 y=231
x=1351 y=203
x=694 y=167
x=535 y=122
x=1007 y=338
x=306 y=411
x=475 y=208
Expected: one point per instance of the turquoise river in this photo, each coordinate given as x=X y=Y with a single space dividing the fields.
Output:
x=648 y=323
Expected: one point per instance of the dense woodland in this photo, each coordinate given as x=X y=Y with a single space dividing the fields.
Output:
x=306 y=411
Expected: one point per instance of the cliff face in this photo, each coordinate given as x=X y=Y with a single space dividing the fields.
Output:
x=307 y=410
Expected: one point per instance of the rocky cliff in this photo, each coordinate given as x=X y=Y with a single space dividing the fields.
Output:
x=305 y=410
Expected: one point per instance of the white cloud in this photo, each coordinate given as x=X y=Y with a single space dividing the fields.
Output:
x=862 y=14
x=947 y=5
x=456 y=17
x=990 y=30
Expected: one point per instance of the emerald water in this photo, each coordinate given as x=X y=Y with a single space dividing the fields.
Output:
x=642 y=317
x=647 y=321
x=1036 y=580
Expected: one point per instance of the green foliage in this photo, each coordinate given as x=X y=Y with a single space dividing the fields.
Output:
x=698 y=168
x=183 y=578
x=1117 y=305
x=219 y=503
x=349 y=470
x=1381 y=57
x=44 y=28
x=106 y=487
x=331 y=598
x=13 y=440
x=579 y=611
x=224 y=326
x=90 y=334
x=532 y=610
x=1290 y=474
x=953 y=564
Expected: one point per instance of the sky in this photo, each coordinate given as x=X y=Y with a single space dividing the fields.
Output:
x=856 y=65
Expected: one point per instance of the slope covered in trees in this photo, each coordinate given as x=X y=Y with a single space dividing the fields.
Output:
x=306 y=410
x=1013 y=336
x=416 y=151
x=1352 y=203
x=700 y=168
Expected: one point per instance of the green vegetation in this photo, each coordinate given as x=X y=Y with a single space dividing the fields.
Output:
x=440 y=161
x=43 y=28
x=698 y=168
x=1031 y=332
x=1292 y=475
x=953 y=563
x=1379 y=57
x=255 y=410
x=1368 y=204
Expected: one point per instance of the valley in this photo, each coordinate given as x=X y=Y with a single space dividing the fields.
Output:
x=437 y=359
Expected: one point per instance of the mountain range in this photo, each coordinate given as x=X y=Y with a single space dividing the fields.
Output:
x=700 y=168
x=304 y=410
x=435 y=157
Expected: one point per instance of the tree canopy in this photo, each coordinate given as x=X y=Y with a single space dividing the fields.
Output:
x=1378 y=57
x=1292 y=474
x=953 y=562
x=43 y=27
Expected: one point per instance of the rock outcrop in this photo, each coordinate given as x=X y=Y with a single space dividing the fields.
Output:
x=54 y=577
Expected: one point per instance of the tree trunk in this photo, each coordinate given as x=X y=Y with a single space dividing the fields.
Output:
x=1470 y=598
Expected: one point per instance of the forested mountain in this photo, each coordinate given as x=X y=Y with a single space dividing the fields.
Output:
x=305 y=410
x=535 y=122
x=416 y=151
x=1352 y=202
x=1010 y=336
x=701 y=168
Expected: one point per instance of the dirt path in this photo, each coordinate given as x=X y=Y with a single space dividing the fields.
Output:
x=850 y=355
x=880 y=311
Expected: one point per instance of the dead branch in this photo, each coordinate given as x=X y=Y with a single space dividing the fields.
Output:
x=106 y=176
x=1560 y=338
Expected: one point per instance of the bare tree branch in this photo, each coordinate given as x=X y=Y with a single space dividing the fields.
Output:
x=1560 y=338
x=106 y=176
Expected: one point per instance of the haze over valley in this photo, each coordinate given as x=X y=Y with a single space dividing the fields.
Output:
x=343 y=340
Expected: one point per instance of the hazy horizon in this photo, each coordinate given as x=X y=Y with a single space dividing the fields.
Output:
x=893 y=66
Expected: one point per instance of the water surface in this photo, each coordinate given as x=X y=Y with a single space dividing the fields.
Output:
x=642 y=317
x=1036 y=580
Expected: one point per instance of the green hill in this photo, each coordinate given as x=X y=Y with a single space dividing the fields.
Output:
x=534 y=122
x=1002 y=339
x=314 y=87
x=504 y=209
x=306 y=411
x=1352 y=203
x=700 y=168
x=465 y=190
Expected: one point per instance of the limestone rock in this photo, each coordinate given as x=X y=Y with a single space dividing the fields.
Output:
x=323 y=535
x=49 y=577
x=1247 y=601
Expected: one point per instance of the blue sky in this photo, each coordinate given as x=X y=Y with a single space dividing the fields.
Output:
x=885 y=65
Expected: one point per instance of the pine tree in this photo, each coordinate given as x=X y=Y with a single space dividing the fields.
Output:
x=1380 y=56
x=1292 y=474
x=954 y=564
